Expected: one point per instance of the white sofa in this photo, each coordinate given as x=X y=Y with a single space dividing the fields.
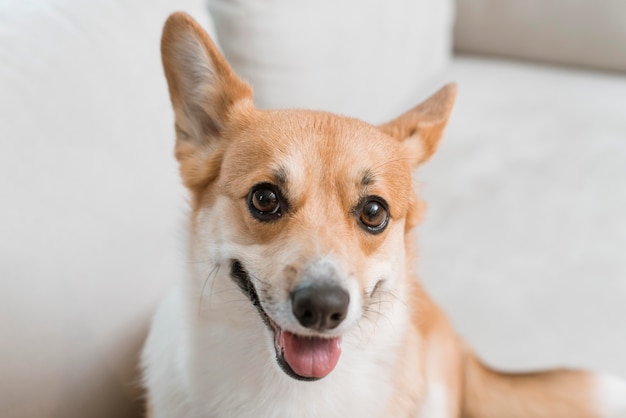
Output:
x=523 y=243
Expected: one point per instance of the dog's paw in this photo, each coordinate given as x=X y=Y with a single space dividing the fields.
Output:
x=611 y=396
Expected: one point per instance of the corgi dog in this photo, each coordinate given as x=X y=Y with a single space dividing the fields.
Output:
x=301 y=298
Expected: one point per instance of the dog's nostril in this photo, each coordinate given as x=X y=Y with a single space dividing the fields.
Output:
x=321 y=306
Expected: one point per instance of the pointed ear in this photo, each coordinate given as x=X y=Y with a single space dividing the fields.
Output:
x=203 y=89
x=421 y=128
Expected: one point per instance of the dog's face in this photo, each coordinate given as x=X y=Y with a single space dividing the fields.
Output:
x=309 y=210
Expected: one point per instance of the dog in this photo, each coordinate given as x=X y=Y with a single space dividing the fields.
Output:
x=301 y=299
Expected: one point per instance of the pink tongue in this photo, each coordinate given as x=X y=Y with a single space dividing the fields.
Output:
x=311 y=356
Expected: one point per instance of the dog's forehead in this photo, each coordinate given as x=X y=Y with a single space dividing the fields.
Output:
x=303 y=146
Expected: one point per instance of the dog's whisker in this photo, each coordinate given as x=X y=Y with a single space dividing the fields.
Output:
x=370 y=320
x=258 y=279
x=242 y=301
x=230 y=290
x=380 y=302
x=392 y=294
x=213 y=272
x=215 y=276
x=380 y=315
x=360 y=328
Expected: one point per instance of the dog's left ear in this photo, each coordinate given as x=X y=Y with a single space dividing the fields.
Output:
x=421 y=128
x=205 y=94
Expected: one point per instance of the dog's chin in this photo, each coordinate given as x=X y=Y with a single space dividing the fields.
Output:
x=301 y=357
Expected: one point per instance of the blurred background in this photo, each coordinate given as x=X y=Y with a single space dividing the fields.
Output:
x=524 y=242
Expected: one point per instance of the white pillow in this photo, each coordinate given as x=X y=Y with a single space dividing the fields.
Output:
x=363 y=58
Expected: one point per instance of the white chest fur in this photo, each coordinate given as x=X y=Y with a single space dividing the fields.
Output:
x=222 y=365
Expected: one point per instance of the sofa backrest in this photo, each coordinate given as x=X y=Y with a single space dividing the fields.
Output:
x=585 y=33
x=90 y=201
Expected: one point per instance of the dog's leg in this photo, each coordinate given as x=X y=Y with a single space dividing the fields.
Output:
x=550 y=394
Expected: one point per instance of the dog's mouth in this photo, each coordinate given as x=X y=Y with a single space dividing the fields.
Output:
x=300 y=357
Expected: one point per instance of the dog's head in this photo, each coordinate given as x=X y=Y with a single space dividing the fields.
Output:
x=309 y=210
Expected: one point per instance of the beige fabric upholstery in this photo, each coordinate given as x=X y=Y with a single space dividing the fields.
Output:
x=590 y=33
x=90 y=201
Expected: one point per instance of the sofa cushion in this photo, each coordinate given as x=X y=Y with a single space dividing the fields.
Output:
x=574 y=32
x=360 y=58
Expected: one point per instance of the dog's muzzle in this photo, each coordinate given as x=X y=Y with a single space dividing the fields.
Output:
x=319 y=307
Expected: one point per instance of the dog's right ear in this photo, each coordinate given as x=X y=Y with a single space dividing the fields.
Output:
x=421 y=128
x=204 y=91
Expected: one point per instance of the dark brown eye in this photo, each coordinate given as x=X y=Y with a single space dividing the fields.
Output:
x=373 y=214
x=265 y=202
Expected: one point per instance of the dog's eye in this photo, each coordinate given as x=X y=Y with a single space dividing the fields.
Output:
x=265 y=202
x=373 y=214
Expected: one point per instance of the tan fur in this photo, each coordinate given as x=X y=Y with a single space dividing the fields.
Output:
x=421 y=128
x=557 y=393
x=225 y=145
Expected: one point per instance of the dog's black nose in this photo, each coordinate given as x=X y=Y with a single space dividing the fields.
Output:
x=320 y=307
